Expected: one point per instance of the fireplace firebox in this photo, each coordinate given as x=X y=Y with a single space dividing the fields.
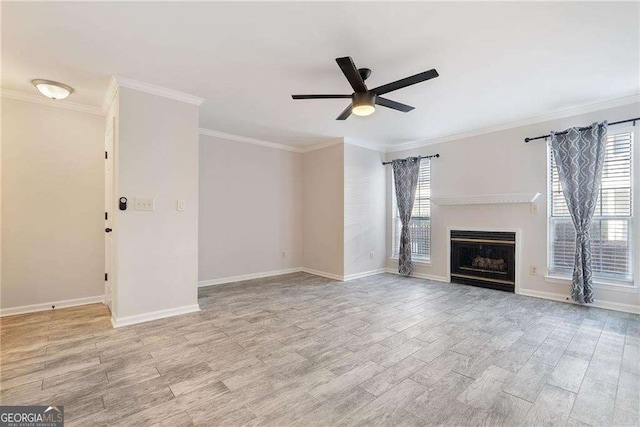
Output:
x=484 y=258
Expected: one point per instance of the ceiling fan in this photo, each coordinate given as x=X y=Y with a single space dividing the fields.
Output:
x=364 y=100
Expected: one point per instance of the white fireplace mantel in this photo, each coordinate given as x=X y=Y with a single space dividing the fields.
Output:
x=486 y=199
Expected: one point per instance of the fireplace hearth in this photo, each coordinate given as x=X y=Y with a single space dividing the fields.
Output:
x=483 y=258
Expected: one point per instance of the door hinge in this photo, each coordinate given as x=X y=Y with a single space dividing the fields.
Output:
x=106 y=215
x=106 y=155
x=106 y=277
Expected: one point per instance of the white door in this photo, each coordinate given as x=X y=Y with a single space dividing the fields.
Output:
x=108 y=209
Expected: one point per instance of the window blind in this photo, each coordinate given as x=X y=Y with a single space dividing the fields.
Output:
x=611 y=228
x=420 y=225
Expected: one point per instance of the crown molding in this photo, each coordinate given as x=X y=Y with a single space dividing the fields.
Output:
x=110 y=95
x=345 y=140
x=264 y=143
x=157 y=90
x=367 y=145
x=42 y=100
x=322 y=145
x=561 y=114
x=247 y=140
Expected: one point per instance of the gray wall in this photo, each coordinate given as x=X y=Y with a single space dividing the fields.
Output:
x=323 y=209
x=250 y=209
x=52 y=204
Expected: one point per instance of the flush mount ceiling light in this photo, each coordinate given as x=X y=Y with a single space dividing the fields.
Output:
x=51 y=89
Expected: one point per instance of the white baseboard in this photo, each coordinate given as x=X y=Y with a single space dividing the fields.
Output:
x=343 y=278
x=251 y=276
x=363 y=274
x=420 y=275
x=627 y=308
x=242 y=278
x=154 y=315
x=323 y=274
x=12 y=311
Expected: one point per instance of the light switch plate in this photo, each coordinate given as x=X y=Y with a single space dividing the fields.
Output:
x=143 y=204
x=180 y=205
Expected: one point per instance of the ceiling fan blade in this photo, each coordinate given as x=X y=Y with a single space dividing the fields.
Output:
x=346 y=113
x=352 y=74
x=399 y=84
x=320 y=96
x=393 y=104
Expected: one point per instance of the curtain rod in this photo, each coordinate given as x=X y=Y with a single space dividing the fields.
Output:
x=419 y=157
x=585 y=128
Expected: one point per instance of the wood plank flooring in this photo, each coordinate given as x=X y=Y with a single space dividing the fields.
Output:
x=304 y=350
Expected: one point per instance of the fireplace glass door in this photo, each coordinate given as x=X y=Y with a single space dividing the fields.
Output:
x=484 y=259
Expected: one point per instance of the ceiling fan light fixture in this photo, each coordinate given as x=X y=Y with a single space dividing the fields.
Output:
x=363 y=110
x=52 y=89
x=364 y=103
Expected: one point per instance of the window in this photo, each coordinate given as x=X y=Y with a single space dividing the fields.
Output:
x=611 y=235
x=420 y=225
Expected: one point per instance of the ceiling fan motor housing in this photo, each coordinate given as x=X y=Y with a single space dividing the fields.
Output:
x=364 y=73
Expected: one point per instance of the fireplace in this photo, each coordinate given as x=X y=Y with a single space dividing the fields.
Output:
x=484 y=258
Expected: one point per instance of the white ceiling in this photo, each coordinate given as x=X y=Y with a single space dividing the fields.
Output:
x=498 y=62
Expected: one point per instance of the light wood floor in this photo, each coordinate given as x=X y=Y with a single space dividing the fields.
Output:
x=303 y=350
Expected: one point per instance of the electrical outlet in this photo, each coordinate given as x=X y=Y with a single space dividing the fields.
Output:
x=143 y=204
x=180 y=205
x=534 y=208
x=533 y=270
x=371 y=255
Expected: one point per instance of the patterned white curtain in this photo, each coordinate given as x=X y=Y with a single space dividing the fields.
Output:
x=579 y=156
x=405 y=175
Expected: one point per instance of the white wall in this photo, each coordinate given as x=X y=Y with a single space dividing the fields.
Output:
x=250 y=209
x=501 y=162
x=157 y=157
x=323 y=210
x=364 y=210
x=52 y=204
